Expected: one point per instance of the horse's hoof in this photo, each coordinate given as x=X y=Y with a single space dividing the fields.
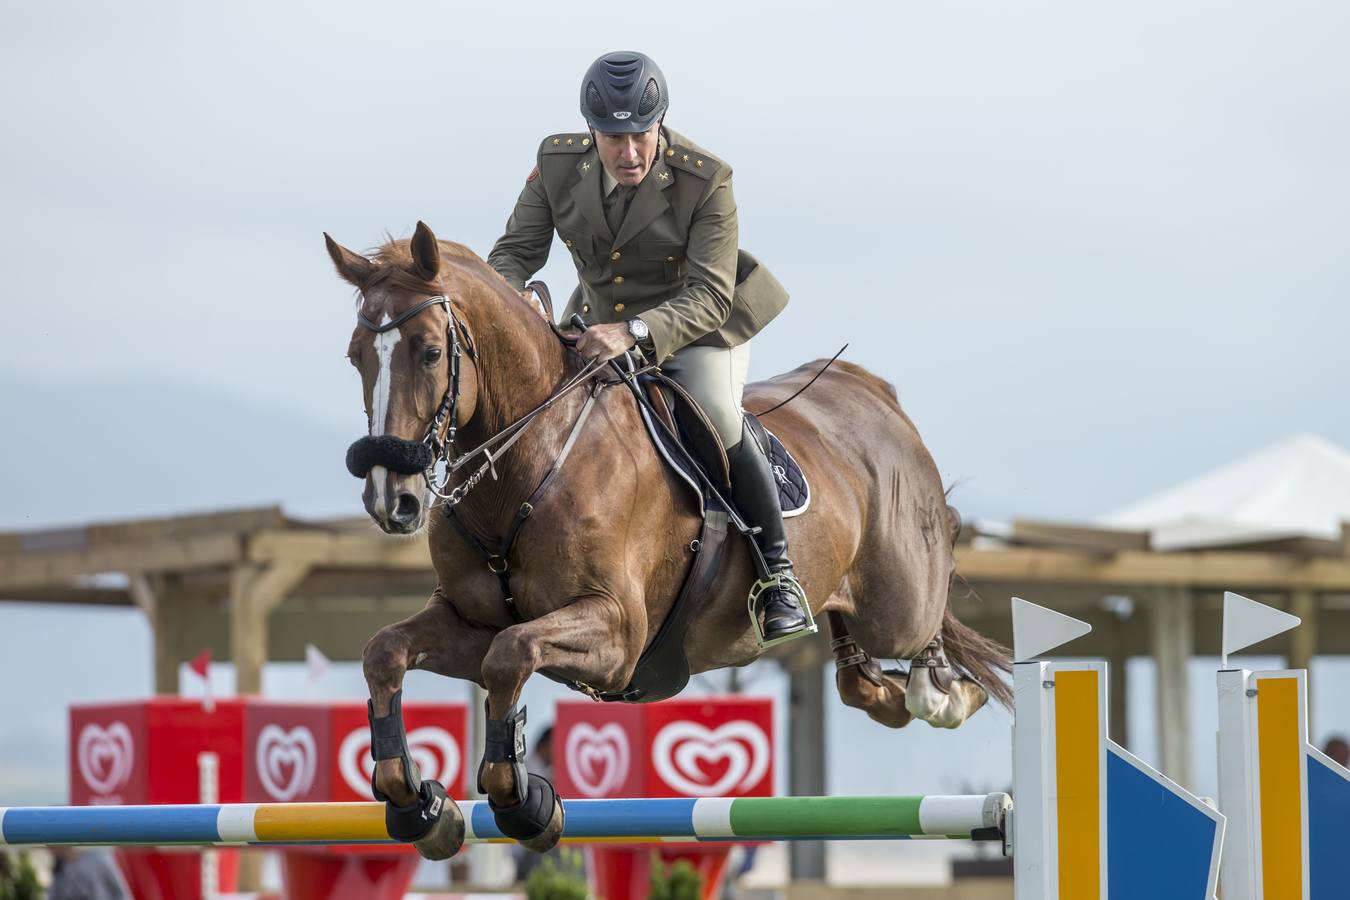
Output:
x=547 y=839
x=537 y=821
x=446 y=835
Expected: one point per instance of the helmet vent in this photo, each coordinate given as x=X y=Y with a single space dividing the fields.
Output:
x=651 y=96
x=595 y=102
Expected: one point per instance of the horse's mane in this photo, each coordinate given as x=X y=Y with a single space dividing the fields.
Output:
x=394 y=264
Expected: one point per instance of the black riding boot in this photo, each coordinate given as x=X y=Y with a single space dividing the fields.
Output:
x=755 y=494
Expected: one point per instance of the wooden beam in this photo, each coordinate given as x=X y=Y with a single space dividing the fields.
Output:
x=1202 y=569
x=254 y=592
x=360 y=551
x=57 y=568
x=1075 y=537
x=138 y=530
x=1173 y=645
x=73 y=594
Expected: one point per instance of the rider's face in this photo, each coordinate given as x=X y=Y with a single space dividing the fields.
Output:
x=628 y=157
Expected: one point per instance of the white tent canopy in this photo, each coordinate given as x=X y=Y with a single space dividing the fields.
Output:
x=1298 y=487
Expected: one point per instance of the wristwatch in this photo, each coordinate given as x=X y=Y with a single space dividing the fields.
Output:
x=638 y=329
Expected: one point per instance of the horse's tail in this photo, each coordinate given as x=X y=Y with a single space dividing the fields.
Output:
x=984 y=660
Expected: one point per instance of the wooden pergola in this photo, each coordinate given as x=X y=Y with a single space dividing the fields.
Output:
x=255 y=585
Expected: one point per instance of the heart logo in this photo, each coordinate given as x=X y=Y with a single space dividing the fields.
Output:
x=105 y=756
x=686 y=754
x=286 y=761
x=433 y=750
x=597 y=759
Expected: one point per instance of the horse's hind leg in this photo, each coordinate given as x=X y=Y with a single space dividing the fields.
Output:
x=438 y=640
x=929 y=690
x=583 y=642
x=862 y=683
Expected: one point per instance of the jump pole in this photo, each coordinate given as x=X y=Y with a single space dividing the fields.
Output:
x=979 y=817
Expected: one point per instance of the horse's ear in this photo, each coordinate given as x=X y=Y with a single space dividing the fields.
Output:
x=354 y=268
x=426 y=252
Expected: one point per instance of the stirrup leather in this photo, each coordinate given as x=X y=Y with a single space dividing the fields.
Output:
x=788 y=582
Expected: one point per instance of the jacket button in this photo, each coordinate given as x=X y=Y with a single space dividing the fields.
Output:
x=568 y=243
x=615 y=255
x=618 y=307
x=586 y=308
x=670 y=259
x=668 y=152
x=618 y=279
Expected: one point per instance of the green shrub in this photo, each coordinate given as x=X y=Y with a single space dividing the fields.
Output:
x=561 y=876
x=680 y=882
x=18 y=880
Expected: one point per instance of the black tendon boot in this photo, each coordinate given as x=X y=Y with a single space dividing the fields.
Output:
x=755 y=493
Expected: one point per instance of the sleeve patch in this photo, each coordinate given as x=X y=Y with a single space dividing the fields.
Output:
x=534 y=173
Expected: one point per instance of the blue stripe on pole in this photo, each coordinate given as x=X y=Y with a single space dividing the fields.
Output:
x=609 y=818
x=630 y=818
x=112 y=824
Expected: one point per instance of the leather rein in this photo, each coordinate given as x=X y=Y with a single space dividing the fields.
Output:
x=440 y=435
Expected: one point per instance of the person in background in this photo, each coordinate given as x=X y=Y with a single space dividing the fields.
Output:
x=1339 y=750
x=540 y=763
x=85 y=875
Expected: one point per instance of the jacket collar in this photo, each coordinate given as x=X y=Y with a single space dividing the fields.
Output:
x=586 y=193
x=648 y=203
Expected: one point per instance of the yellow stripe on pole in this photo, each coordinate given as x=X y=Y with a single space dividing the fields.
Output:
x=320 y=822
x=1280 y=746
x=1078 y=783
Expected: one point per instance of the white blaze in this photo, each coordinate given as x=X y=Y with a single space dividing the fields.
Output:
x=384 y=350
x=379 y=415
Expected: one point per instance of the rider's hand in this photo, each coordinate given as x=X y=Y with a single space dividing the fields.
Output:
x=605 y=342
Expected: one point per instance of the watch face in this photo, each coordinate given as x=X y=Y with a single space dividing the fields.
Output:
x=637 y=328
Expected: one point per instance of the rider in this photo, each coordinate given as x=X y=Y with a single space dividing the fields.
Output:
x=650 y=221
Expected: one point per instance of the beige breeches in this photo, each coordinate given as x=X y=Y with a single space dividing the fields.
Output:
x=715 y=377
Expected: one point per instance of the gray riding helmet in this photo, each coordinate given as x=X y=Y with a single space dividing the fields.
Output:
x=623 y=93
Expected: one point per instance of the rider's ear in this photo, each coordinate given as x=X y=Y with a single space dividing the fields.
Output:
x=426 y=252
x=354 y=268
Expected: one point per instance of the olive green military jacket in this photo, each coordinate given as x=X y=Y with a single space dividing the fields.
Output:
x=675 y=262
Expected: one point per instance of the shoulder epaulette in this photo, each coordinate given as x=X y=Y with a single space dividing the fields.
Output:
x=566 y=143
x=697 y=162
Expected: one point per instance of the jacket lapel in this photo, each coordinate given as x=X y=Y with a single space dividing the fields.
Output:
x=586 y=193
x=648 y=203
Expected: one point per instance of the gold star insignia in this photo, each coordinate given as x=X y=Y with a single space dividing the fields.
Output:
x=569 y=142
x=585 y=167
x=686 y=157
x=556 y=142
x=699 y=163
x=663 y=175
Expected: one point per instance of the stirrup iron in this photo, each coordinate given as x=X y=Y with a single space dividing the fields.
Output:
x=788 y=582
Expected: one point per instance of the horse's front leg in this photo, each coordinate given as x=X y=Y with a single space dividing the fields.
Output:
x=438 y=640
x=584 y=641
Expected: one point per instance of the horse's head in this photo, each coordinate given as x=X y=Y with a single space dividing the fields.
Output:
x=405 y=346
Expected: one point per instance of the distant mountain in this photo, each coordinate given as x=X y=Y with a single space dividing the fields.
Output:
x=114 y=449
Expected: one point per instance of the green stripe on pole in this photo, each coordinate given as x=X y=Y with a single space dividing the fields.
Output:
x=842 y=816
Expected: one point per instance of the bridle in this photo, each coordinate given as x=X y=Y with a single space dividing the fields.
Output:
x=440 y=436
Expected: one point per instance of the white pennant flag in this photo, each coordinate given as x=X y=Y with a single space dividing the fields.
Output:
x=1038 y=630
x=1246 y=622
x=316 y=664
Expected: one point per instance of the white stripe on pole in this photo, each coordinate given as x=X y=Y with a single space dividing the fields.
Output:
x=951 y=815
x=712 y=817
x=235 y=823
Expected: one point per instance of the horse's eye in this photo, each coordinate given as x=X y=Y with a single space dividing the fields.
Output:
x=432 y=355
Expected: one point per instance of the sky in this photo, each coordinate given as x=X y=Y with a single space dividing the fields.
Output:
x=1098 y=248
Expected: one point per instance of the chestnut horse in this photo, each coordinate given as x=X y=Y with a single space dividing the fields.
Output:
x=601 y=557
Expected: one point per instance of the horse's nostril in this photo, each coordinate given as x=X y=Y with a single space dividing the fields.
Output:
x=407 y=508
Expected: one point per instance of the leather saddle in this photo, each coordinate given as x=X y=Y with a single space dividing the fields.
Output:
x=663 y=669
